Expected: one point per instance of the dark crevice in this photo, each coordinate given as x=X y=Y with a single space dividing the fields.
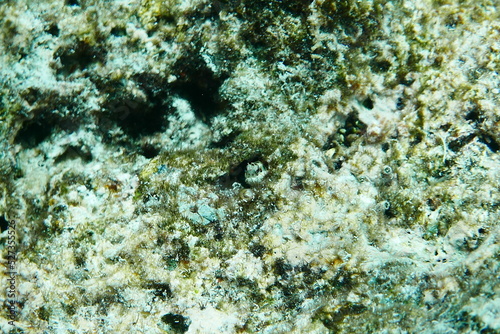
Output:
x=176 y=322
x=137 y=117
x=35 y=131
x=400 y=104
x=32 y=95
x=333 y=320
x=72 y=3
x=381 y=66
x=199 y=86
x=237 y=173
x=53 y=30
x=405 y=79
x=282 y=269
x=75 y=152
x=160 y=290
x=368 y=103
x=416 y=138
x=258 y=250
x=477 y=118
x=118 y=31
x=352 y=130
x=474 y=116
x=456 y=144
x=149 y=151
x=78 y=58
x=489 y=141
x=143 y=119
x=390 y=213
x=338 y=164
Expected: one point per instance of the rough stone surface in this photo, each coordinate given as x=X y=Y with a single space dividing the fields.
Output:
x=250 y=166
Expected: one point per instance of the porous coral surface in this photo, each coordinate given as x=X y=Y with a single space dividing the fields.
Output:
x=251 y=166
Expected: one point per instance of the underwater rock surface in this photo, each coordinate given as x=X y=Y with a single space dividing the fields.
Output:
x=249 y=166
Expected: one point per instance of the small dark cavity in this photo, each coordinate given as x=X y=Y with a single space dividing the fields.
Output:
x=407 y=81
x=342 y=280
x=489 y=141
x=311 y=275
x=237 y=173
x=474 y=116
x=338 y=164
x=53 y=30
x=441 y=172
x=330 y=142
x=72 y=3
x=417 y=138
x=400 y=104
x=368 y=103
x=216 y=7
x=445 y=127
x=138 y=118
x=438 y=62
x=176 y=322
x=385 y=147
x=118 y=31
x=43 y=313
x=4 y=223
x=149 y=151
x=218 y=231
x=258 y=250
x=353 y=129
x=452 y=21
x=432 y=204
x=381 y=66
x=203 y=13
x=35 y=131
x=80 y=261
x=75 y=152
x=291 y=296
x=456 y=144
x=282 y=268
x=181 y=250
x=390 y=213
x=296 y=7
x=78 y=58
x=32 y=95
x=160 y=290
x=106 y=299
x=198 y=85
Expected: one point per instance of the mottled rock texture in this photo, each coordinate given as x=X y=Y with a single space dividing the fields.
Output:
x=250 y=166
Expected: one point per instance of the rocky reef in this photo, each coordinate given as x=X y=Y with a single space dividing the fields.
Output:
x=250 y=166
